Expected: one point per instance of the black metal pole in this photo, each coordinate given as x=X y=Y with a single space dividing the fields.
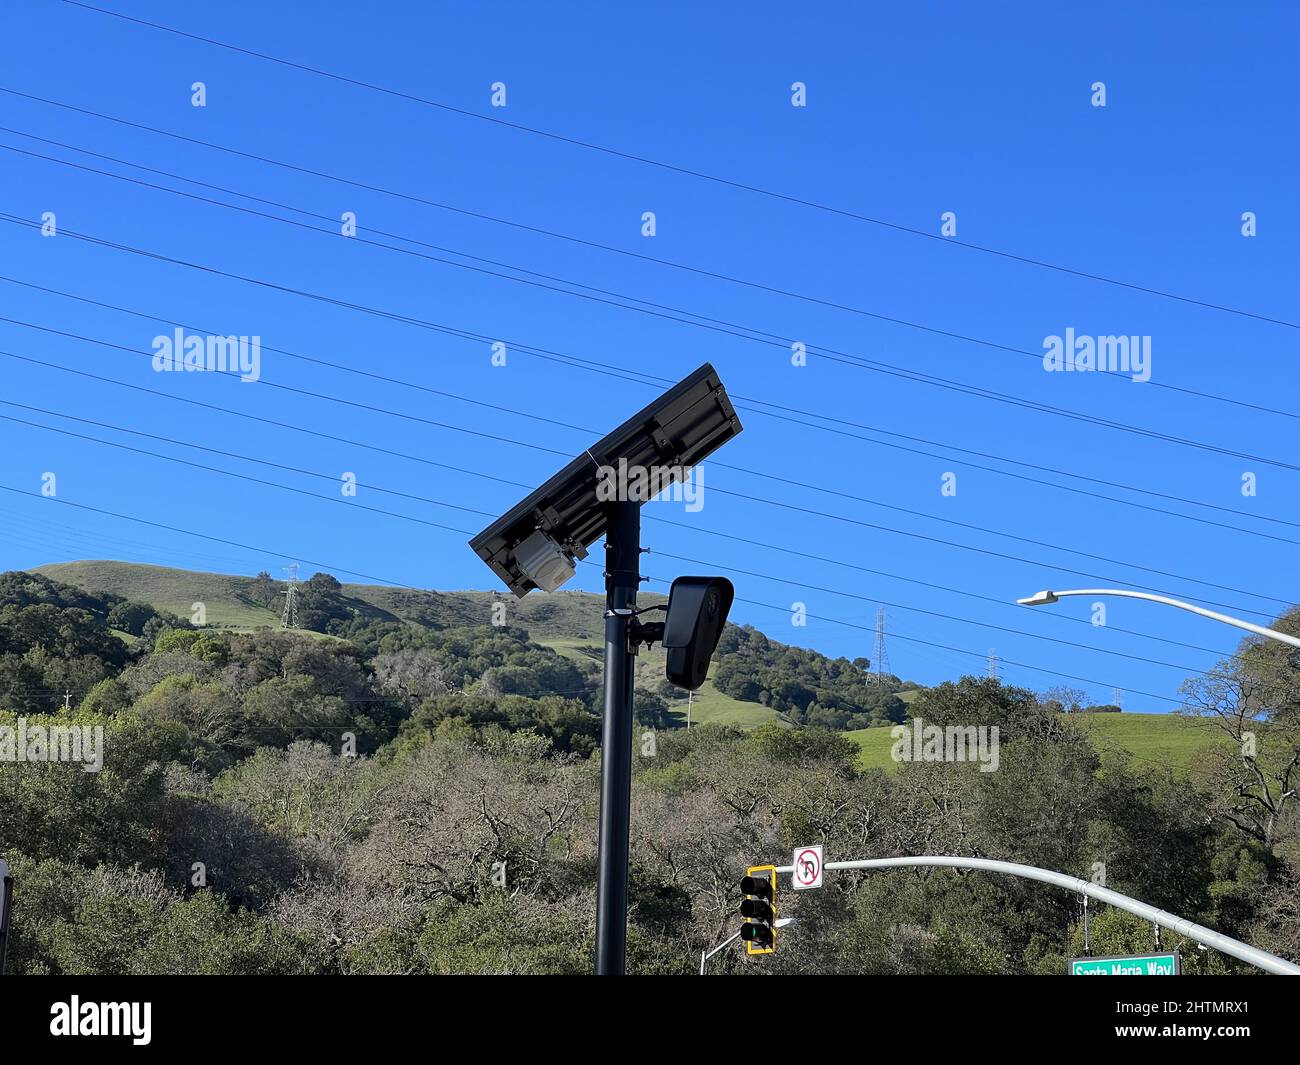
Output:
x=622 y=575
x=6 y=908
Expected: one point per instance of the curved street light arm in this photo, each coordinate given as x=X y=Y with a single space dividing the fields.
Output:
x=1046 y=597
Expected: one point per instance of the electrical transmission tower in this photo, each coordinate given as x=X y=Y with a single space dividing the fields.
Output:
x=289 y=618
x=1119 y=698
x=880 y=654
x=993 y=664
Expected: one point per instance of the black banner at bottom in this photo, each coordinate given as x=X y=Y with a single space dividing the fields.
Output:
x=214 y=1014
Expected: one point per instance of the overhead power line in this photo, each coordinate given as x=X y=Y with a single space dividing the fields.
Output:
x=700 y=321
x=514 y=441
x=803 y=585
x=299 y=428
x=873 y=367
x=337 y=569
x=699 y=271
x=741 y=495
x=688 y=171
x=941 y=646
x=653 y=381
x=224 y=540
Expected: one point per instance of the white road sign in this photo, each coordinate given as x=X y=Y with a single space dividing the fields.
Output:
x=807 y=868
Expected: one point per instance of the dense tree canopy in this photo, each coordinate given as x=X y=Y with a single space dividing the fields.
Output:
x=421 y=799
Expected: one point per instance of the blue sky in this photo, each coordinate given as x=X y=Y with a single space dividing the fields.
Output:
x=910 y=113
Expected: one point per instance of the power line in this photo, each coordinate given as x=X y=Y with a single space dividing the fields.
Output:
x=688 y=172
x=257 y=480
x=717 y=325
x=947 y=447
x=940 y=646
x=230 y=473
x=464 y=334
x=716 y=275
x=933 y=586
x=519 y=484
x=620 y=373
x=803 y=585
x=341 y=569
x=758 y=499
x=225 y=540
x=741 y=495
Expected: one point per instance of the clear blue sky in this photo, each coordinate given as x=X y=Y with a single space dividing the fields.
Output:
x=912 y=111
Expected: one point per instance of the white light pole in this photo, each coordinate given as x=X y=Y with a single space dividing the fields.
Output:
x=781 y=922
x=1046 y=598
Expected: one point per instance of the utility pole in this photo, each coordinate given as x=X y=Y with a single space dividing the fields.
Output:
x=289 y=618
x=622 y=576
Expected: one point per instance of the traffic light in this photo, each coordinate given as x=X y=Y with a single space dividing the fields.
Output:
x=758 y=908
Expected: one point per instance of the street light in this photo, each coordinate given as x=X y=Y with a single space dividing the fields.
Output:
x=781 y=922
x=1046 y=598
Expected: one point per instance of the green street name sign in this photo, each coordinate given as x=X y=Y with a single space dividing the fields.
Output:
x=1127 y=965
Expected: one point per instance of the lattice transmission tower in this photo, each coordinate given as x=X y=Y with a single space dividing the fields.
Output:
x=289 y=617
x=880 y=655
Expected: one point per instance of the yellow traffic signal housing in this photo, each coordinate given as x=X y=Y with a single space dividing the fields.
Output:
x=758 y=908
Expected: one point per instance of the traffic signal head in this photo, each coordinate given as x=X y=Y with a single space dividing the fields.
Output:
x=758 y=908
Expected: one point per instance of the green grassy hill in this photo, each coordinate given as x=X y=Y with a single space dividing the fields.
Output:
x=570 y=622
x=1152 y=739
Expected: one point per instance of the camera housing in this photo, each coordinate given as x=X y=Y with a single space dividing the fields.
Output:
x=697 y=612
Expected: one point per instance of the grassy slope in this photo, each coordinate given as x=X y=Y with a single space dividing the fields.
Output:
x=570 y=622
x=709 y=705
x=1152 y=739
x=177 y=590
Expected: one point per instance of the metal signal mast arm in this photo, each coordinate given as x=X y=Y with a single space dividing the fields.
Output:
x=1244 y=951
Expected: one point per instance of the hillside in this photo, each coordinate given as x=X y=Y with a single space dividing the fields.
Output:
x=402 y=762
x=570 y=622
x=1151 y=739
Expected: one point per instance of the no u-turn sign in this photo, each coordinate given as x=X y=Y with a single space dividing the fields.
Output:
x=807 y=868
